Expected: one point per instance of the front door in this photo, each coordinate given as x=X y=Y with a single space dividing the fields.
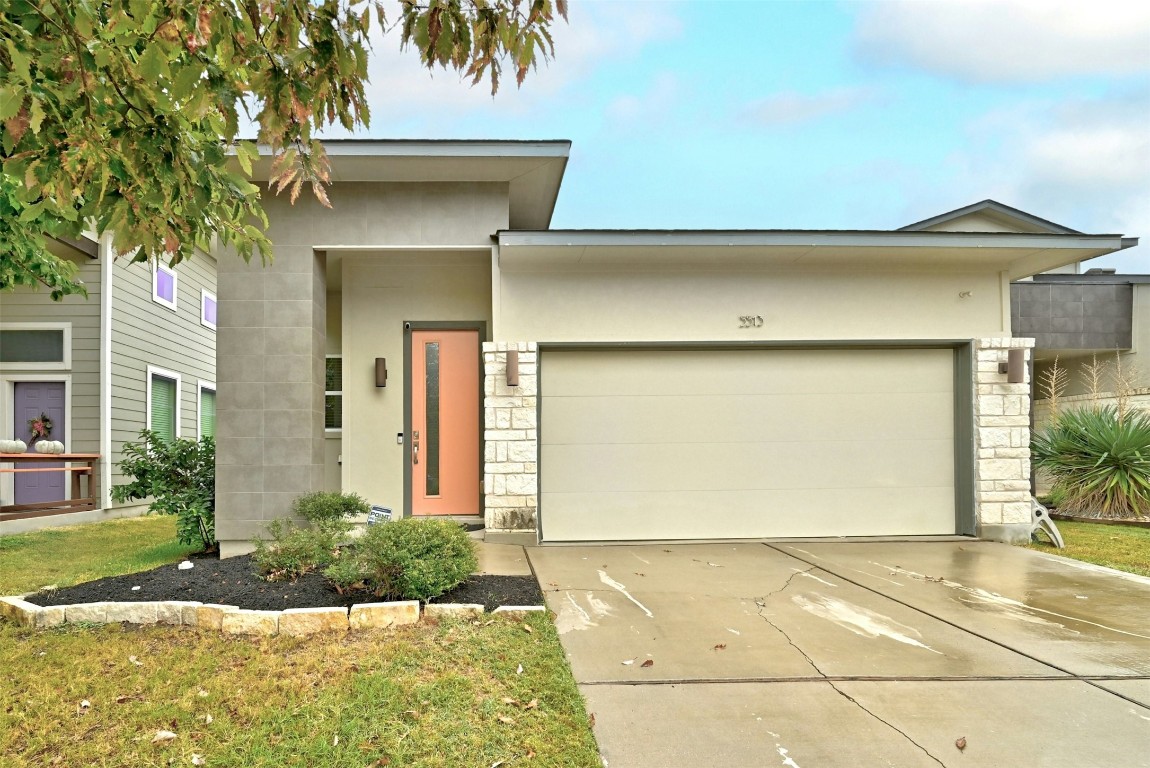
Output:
x=33 y=399
x=444 y=422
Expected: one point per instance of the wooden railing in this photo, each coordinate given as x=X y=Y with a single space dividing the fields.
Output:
x=78 y=465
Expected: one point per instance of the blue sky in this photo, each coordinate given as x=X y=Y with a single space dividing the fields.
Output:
x=823 y=115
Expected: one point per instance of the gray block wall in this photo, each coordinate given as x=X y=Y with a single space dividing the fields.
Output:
x=1072 y=316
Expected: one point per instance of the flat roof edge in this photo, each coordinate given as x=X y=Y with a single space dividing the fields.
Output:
x=550 y=148
x=783 y=236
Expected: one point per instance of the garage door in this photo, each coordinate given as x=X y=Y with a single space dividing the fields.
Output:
x=745 y=443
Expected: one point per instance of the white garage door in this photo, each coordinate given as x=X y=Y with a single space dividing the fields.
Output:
x=746 y=443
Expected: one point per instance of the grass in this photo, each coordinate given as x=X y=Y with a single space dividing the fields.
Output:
x=1125 y=548
x=75 y=554
x=446 y=694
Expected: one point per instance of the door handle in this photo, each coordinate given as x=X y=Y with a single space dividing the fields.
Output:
x=414 y=447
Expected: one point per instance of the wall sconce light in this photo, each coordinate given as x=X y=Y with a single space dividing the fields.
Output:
x=1015 y=366
x=381 y=372
x=513 y=368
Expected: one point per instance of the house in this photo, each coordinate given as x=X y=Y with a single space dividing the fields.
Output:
x=431 y=344
x=138 y=352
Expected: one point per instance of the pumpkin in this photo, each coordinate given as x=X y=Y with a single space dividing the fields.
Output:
x=12 y=446
x=49 y=446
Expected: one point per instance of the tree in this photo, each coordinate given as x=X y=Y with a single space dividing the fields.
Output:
x=123 y=115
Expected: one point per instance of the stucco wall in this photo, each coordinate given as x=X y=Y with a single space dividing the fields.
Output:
x=654 y=304
x=381 y=292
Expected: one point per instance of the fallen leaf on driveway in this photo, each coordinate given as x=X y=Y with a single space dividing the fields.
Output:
x=648 y=663
x=629 y=661
x=719 y=647
x=960 y=743
x=592 y=718
x=163 y=737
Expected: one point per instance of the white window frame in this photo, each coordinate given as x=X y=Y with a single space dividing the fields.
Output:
x=327 y=430
x=164 y=374
x=157 y=267
x=205 y=294
x=201 y=385
x=63 y=365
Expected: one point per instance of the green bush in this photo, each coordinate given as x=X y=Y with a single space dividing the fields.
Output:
x=1099 y=461
x=406 y=559
x=180 y=477
x=295 y=551
x=329 y=505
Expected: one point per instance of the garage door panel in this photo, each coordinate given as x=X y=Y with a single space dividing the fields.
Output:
x=735 y=466
x=747 y=418
x=735 y=372
x=778 y=513
x=746 y=443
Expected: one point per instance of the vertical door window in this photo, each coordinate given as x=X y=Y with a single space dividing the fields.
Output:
x=333 y=394
x=431 y=438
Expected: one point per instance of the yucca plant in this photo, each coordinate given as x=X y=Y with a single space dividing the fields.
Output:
x=1099 y=460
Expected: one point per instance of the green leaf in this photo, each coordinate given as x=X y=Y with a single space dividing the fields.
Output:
x=11 y=99
x=154 y=64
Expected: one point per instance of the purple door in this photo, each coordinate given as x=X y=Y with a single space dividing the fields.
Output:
x=32 y=399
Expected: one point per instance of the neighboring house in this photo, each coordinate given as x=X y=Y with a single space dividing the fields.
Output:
x=138 y=352
x=434 y=346
x=1079 y=321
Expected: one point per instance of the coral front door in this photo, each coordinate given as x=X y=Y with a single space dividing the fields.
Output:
x=34 y=399
x=444 y=422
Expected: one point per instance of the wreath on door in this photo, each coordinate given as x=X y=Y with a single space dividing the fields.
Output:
x=40 y=427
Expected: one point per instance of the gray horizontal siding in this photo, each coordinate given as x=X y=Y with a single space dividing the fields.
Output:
x=36 y=306
x=146 y=333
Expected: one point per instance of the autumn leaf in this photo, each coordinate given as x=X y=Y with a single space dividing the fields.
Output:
x=648 y=663
x=163 y=737
x=960 y=742
x=719 y=647
x=505 y=719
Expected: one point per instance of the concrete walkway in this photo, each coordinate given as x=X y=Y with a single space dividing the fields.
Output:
x=853 y=653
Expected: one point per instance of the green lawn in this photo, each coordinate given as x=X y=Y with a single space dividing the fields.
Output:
x=67 y=556
x=445 y=694
x=1116 y=546
x=480 y=693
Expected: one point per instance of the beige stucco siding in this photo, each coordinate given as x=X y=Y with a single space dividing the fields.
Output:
x=659 y=304
x=381 y=292
x=36 y=306
x=147 y=333
x=746 y=443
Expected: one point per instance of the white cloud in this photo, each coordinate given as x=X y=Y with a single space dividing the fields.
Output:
x=647 y=108
x=1084 y=164
x=401 y=89
x=791 y=108
x=1009 y=40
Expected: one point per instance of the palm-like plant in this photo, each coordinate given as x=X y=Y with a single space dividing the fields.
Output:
x=1100 y=459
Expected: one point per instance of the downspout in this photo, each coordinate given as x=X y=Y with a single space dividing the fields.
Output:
x=106 y=288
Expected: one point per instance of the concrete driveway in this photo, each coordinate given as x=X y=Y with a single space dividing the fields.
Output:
x=853 y=653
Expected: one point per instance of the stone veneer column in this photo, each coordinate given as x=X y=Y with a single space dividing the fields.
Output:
x=1002 y=444
x=270 y=385
x=511 y=449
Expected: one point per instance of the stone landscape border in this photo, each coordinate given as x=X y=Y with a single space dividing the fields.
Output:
x=232 y=620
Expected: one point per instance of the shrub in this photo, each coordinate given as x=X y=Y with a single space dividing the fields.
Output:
x=1099 y=460
x=295 y=550
x=180 y=477
x=329 y=505
x=406 y=560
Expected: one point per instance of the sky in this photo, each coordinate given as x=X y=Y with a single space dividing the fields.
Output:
x=819 y=115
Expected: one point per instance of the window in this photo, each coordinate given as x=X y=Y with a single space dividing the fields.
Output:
x=163 y=415
x=36 y=346
x=207 y=309
x=164 y=282
x=333 y=394
x=207 y=409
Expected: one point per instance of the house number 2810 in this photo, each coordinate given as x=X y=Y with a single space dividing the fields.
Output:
x=750 y=321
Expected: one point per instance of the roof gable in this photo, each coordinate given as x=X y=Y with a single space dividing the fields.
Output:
x=988 y=216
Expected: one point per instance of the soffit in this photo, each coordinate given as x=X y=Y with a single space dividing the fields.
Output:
x=1017 y=254
x=533 y=170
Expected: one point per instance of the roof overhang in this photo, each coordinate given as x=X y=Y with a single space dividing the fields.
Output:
x=533 y=170
x=68 y=247
x=1017 y=254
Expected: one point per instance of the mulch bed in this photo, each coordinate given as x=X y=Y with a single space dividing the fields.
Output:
x=235 y=582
